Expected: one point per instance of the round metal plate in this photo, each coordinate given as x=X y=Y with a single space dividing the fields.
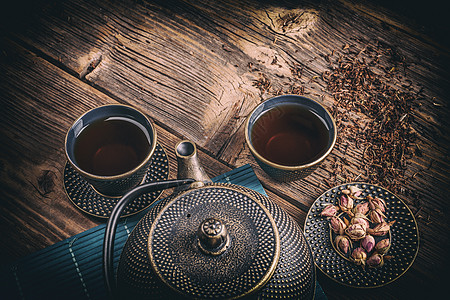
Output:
x=244 y=267
x=404 y=240
x=88 y=200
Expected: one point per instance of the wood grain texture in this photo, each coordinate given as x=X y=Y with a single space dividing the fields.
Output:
x=39 y=103
x=198 y=68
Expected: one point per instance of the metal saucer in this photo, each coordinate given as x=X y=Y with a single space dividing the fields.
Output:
x=88 y=200
x=404 y=240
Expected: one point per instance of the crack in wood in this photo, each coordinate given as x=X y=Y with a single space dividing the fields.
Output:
x=90 y=67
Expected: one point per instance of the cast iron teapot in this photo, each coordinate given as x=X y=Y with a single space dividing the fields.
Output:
x=208 y=241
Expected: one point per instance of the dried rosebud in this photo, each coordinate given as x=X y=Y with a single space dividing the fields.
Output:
x=356 y=231
x=382 y=246
x=346 y=221
x=376 y=216
x=337 y=225
x=329 y=211
x=370 y=199
x=362 y=208
x=343 y=243
x=379 y=203
x=359 y=256
x=364 y=223
x=368 y=243
x=380 y=229
x=375 y=261
x=361 y=219
x=355 y=192
x=346 y=203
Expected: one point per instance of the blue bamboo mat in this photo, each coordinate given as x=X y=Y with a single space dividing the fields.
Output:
x=72 y=269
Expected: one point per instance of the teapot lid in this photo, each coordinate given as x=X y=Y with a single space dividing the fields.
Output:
x=214 y=242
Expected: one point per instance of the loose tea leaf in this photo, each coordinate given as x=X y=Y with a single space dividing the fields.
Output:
x=366 y=82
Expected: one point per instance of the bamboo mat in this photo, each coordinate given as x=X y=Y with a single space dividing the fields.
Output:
x=72 y=269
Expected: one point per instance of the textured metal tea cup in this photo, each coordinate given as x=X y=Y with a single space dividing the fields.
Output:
x=285 y=173
x=115 y=185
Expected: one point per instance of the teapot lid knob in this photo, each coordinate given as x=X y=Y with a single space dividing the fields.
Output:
x=213 y=238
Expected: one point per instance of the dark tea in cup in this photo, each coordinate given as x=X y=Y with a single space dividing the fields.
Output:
x=290 y=135
x=111 y=146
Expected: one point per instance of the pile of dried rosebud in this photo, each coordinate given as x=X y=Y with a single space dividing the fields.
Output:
x=357 y=226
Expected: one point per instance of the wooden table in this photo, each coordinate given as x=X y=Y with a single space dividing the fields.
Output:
x=197 y=68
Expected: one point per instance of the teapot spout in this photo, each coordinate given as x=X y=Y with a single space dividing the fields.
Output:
x=189 y=165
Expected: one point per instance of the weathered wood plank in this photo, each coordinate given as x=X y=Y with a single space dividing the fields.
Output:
x=188 y=61
x=431 y=124
x=154 y=57
x=39 y=103
x=425 y=195
x=198 y=68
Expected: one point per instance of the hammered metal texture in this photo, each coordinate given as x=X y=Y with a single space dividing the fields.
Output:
x=247 y=263
x=87 y=199
x=118 y=187
x=404 y=240
x=294 y=275
x=286 y=175
x=135 y=276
